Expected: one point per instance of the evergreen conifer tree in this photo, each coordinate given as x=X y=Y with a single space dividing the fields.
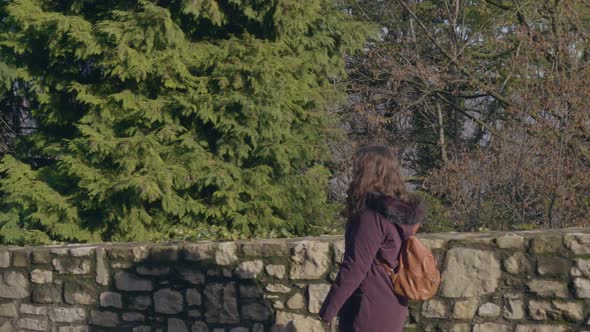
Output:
x=170 y=118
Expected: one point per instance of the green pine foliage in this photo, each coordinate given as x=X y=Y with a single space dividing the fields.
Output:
x=178 y=118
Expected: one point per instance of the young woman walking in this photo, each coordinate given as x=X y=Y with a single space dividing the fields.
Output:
x=381 y=214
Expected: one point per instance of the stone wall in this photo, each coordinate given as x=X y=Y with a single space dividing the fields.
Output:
x=525 y=282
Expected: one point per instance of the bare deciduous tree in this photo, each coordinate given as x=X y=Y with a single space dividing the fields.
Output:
x=487 y=102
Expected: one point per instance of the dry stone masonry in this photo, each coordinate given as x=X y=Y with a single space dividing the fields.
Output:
x=492 y=282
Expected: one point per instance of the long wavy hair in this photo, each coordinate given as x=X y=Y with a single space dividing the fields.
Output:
x=375 y=169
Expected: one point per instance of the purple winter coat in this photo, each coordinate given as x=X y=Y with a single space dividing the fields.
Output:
x=362 y=295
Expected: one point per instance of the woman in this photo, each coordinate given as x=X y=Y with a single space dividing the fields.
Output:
x=381 y=214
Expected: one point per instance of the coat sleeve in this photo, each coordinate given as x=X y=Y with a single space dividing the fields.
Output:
x=363 y=240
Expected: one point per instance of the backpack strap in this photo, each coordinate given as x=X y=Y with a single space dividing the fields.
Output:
x=384 y=263
x=390 y=271
x=392 y=275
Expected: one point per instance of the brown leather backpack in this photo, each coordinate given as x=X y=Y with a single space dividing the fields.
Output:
x=417 y=276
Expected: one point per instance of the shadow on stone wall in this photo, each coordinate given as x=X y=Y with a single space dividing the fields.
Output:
x=197 y=287
x=492 y=282
x=176 y=288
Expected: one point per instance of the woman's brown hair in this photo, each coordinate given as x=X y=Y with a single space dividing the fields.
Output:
x=375 y=169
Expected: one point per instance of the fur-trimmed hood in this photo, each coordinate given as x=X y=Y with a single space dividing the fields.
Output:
x=397 y=211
